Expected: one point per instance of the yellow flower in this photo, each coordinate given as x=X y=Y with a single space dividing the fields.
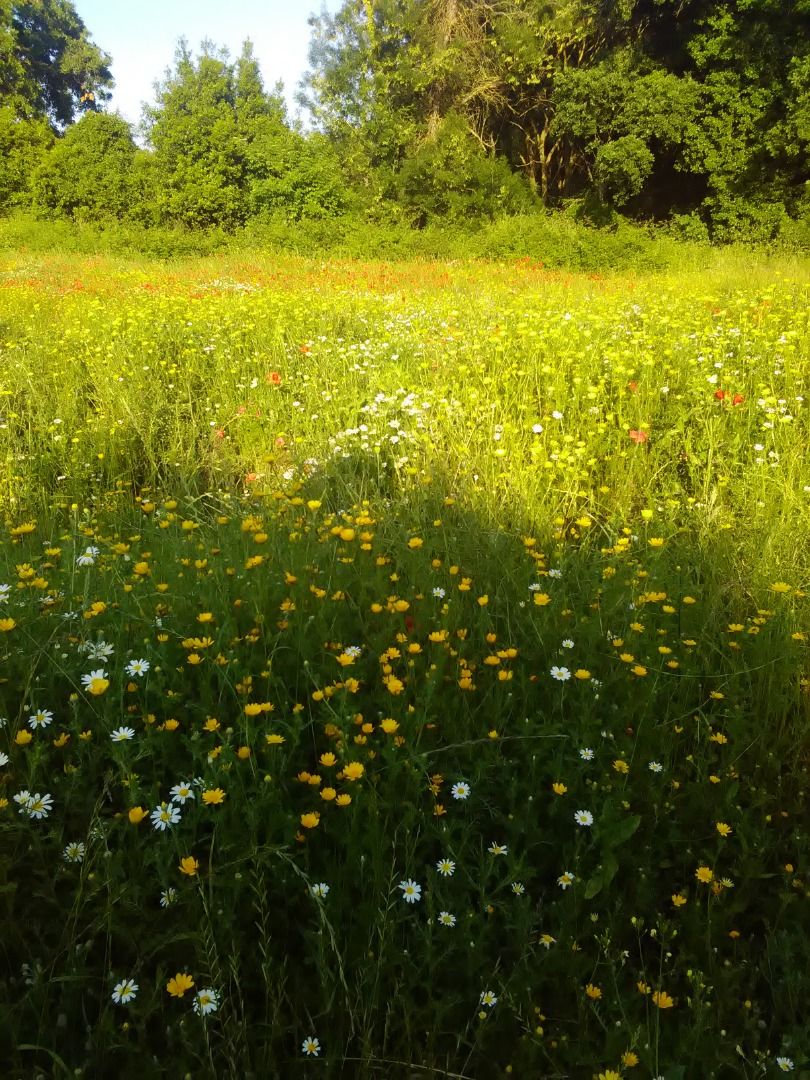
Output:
x=327 y=760
x=23 y=529
x=98 y=686
x=205 y=617
x=136 y=815
x=678 y=899
x=354 y=770
x=61 y=740
x=171 y=725
x=328 y=793
x=656 y=542
x=629 y=1059
x=310 y=820
x=274 y=740
x=639 y=670
x=704 y=874
x=188 y=865
x=662 y=999
x=389 y=726
x=415 y=542
x=343 y=800
x=179 y=984
x=211 y=724
x=609 y=1074
x=6 y=625
x=243 y=753
x=781 y=587
x=621 y=766
x=394 y=685
x=723 y=829
x=213 y=796
x=23 y=737
x=483 y=600
x=253 y=708
x=582 y=673
x=558 y=788
x=141 y=569
x=541 y=599
x=593 y=992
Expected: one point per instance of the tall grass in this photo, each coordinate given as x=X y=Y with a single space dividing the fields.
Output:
x=458 y=613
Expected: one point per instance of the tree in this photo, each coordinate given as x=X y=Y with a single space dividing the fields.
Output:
x=89 y=174
x=49 y=66
x=23 y=145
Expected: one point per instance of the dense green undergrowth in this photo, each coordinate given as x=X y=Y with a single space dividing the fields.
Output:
x=555 y=239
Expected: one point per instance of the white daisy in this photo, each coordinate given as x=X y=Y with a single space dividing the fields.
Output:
x=168 y=897
x=123 y=734
x=137 y=667
x=40 y=718
x=561 y=674
x=655 y=766
x=3 y=758
x=785 y=1064
x=320 y=890
x=39 y=806
x=124 y=991
x=461 y=790
x=206 y=1001
x=182 y=791
x=411 y=892
x=488 y=998
x=74 y=852
x=583 y=817
x=311 y=1047
x=5 y=590
x=446 y=919
x=497 y=849
x=439 y=593
x=566 y=879
x=586 y=753
x=164 y=816
x=446 y=867
x=568 y=644
x=518 y=888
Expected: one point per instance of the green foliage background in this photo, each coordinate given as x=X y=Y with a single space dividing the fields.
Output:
x=683 y=113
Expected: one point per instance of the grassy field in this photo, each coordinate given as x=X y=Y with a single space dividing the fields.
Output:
x=405 y=669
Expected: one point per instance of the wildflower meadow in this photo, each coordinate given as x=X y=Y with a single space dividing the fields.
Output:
x=404 y=669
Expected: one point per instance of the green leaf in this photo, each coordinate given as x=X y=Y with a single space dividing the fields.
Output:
x=624 y=830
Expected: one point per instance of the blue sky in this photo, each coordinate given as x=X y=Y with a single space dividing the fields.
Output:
x=141 y=38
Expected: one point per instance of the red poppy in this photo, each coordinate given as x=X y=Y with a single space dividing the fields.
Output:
x=638 y=437
x=274 y=378
x=719 y=395
x=738 y=399
x=632 y=385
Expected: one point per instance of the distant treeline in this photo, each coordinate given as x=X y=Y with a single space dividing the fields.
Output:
x=693 y=113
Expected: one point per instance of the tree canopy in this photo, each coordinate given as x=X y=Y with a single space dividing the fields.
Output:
x=694 y=112
x=49 y=65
